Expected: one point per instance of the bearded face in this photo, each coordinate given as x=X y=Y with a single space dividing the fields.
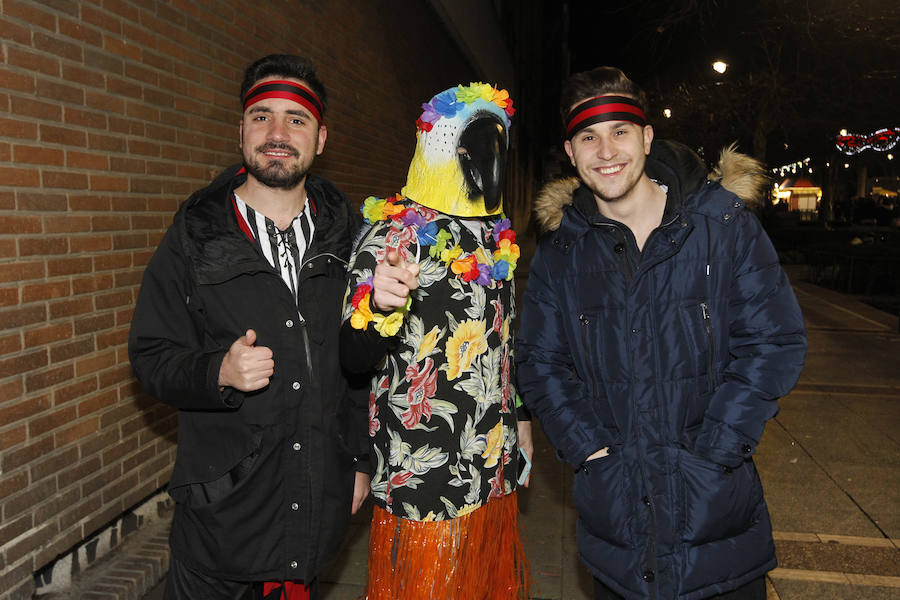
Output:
x=277 y=165
x=280 y=138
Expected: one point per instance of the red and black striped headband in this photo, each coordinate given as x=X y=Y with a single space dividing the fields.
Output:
x=290 y=90
x=603 y=108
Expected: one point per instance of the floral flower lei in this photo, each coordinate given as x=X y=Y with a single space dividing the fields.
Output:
x=473 y=267
x=386 y=325
x=450 y=102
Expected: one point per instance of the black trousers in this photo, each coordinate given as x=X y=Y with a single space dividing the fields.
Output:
x=183 y=583
x=755 y=590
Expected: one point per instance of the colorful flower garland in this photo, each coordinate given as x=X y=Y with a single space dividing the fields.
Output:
x=450 y=102
x=474 y=267
x=386 y=325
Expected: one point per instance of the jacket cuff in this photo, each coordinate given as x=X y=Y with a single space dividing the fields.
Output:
x=217 y=395
x=577 y=455
x=362 y=350
x=361 y=464
x=723 y=444
x=522 y=412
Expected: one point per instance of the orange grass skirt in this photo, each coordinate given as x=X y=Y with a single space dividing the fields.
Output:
x=478 y=556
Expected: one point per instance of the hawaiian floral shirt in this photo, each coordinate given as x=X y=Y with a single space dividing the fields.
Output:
x=442 y=413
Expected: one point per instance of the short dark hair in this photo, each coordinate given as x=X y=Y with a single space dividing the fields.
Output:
x=598 y=82
x=284 y=65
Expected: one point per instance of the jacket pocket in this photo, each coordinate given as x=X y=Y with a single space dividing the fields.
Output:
x=599 y=494
x=232 y=530
x=590 y=350
x=200 y=493
x=696 y=322
x=719 y=502
x=591 y=364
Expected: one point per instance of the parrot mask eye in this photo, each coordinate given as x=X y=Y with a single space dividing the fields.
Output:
x=482 y=158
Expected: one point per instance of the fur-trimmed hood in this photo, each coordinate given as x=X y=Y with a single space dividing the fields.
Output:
x=740 y=174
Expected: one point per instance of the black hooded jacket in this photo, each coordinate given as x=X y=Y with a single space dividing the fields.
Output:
x=263 y=480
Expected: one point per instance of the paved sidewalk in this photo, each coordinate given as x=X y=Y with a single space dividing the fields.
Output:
x=829 y=462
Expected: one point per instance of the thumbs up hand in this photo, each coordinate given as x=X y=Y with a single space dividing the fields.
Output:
x=394 y=279
x=246 y=367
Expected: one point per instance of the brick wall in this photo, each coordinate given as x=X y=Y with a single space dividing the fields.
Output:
x=111 y=113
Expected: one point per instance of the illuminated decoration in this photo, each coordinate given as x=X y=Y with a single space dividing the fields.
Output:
x=792 y=167
x=882 y=141
x=799 y=194
x=667 y=113
x=883 y=191
x=720 y=66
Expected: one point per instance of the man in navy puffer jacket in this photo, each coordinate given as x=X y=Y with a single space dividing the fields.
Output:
x=657 y=334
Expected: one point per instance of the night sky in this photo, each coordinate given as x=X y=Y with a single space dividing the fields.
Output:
x=803 y=68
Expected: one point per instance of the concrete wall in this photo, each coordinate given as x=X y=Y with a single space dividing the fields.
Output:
x=111 y=113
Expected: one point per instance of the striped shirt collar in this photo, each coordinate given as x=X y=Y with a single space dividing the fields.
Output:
x=283 y=249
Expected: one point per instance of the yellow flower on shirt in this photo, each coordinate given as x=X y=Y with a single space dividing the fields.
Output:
x=494 y=446
x=428 y=343
x=467 y=342
x=468 y=509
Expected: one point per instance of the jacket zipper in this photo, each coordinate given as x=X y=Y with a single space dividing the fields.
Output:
x=305 y=335
x=658 y=228
x=304 y=332
x=584 y=322
x=584 y=340
x=656 y=231
x=707 y=321
x=651 y=576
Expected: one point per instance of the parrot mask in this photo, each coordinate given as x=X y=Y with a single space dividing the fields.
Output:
x=460 y=160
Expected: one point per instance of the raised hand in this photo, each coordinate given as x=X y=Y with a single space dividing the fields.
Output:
x=246 y=367
x=393 y=280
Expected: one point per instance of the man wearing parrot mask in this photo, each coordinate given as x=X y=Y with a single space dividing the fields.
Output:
x=428 y=313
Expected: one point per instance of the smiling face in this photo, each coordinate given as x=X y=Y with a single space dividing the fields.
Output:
x=280 y=138
x=610 y=156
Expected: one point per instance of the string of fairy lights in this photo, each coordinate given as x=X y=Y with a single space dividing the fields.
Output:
x=849 y=144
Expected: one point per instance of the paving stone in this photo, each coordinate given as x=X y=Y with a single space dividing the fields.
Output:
x=844 y=558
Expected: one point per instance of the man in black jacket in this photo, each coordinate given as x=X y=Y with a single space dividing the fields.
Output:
x=236 y=325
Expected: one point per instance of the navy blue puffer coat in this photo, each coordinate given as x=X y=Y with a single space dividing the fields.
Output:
x=674 y=358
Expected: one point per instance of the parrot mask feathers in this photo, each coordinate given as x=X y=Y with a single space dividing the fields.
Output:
x=460 y=160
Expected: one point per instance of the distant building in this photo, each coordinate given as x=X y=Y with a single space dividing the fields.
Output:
x=886 y=187
x=800 y=194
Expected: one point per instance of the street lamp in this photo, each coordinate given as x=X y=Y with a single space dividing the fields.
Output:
x=720 y=66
